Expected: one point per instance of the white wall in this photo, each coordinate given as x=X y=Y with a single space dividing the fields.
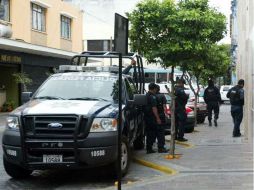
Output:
x=245 y=61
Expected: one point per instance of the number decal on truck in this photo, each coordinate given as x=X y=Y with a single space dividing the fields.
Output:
x=97 y=153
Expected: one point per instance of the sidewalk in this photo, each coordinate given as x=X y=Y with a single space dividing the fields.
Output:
x=216 y=161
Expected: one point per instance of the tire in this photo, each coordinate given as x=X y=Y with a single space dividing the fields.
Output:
x=201 y=120
x=126 y=157
x=16 y=171
x=189 y=129
x=139 y=143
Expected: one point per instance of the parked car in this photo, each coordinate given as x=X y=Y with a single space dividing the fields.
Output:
x=190 y=122
x=223 y=92
x=201 y=108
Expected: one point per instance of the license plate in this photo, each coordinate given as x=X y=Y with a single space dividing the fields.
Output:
x=52 y=158
x=202 y=108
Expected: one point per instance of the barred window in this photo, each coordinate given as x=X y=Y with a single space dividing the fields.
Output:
x=5 y=10
x=38 y=18
x=65 y=27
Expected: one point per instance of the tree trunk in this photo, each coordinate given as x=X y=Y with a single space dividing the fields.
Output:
x=172 y=109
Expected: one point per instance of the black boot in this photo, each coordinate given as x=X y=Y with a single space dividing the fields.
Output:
x=162 y=150
x=215 y=123
x=210 y=123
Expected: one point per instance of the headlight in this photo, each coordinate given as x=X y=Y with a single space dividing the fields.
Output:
x=104 y=125
x=12 y=122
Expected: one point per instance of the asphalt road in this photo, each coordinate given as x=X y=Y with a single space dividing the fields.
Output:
x=97 y=178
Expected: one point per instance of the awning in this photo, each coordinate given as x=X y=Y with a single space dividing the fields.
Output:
x=20 y=46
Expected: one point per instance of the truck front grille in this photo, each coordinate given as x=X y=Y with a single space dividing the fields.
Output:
x=52 y=126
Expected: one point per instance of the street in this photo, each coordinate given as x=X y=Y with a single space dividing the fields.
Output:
x=211 y=159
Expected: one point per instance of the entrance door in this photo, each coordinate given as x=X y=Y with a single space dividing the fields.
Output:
x=9 y=90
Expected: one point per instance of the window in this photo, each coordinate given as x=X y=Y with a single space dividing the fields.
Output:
x=98 y=45
x=65 y=27
x=5 y=10
x=38 y=18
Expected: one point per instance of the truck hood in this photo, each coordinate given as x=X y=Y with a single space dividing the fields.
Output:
x=78 y=107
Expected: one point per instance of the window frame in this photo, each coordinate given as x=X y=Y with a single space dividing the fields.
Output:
x=65 y=21
x=36 y=11
x=9 y=12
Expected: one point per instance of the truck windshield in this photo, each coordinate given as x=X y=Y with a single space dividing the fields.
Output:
x=78 y=88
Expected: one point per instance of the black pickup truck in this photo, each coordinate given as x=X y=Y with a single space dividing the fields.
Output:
x=71 y=122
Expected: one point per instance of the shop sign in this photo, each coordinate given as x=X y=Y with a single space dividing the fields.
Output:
x=10 y=58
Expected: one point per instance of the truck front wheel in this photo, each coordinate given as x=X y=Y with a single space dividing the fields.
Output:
x=125 y=161
x=16 y=171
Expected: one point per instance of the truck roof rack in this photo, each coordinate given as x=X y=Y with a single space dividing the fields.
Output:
x=78 y=68
x=138 y=74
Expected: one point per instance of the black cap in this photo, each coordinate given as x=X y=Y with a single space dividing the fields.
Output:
x=152 y=86
x=241 y=82
x=181 y=80
x=210 y=82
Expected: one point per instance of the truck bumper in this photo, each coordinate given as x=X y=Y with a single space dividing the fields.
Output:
x=96 y=150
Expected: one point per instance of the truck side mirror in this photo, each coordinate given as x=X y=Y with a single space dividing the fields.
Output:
x=140 y=99
x=25 y=97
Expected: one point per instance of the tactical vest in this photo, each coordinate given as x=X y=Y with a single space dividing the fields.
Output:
x=211 y=94
x=234 y=96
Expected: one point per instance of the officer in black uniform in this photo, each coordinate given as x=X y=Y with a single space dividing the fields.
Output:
x=151 y=117
x=236 y=96
x=180 y=111
x=212 y=98
x=160 y=131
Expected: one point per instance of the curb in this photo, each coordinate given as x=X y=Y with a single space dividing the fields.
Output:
x=152 y=165
x=186 y=145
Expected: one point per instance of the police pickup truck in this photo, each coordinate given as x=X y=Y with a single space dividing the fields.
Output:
x=71 y=122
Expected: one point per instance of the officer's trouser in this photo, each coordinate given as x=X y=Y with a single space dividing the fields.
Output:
x=160 y=134
x=154 y=131
x=150 y=133
x=237 y=115
x=180 y=122
x=213 y=106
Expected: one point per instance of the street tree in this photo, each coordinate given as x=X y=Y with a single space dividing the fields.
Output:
x=172 y=34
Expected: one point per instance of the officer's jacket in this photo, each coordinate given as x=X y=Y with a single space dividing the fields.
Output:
x=181 y=98
x=151 y=102
x=161 y=101
x=236 y=96
x=212 y=94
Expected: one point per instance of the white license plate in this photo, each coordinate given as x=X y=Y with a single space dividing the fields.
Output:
x=52 y=158
x=202 y=108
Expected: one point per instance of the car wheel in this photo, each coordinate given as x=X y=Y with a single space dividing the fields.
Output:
x=16 y=171
x=189 y=129
x=125 y=161
x=201 y=120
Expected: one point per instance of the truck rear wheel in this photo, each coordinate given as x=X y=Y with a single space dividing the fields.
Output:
x=139 y=143
x=16 y=171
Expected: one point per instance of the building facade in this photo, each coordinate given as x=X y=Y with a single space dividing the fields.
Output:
x=245 y=60
x=35 y=37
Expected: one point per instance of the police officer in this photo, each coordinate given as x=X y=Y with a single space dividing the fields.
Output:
x=236 y=96
x=151 y=117
x=180 y=111
x=212 y=98
x=160 y=130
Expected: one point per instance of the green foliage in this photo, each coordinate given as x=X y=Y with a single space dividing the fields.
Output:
x=7 y=106
x=22 y=78
x=218 y=61
x=171 y=33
